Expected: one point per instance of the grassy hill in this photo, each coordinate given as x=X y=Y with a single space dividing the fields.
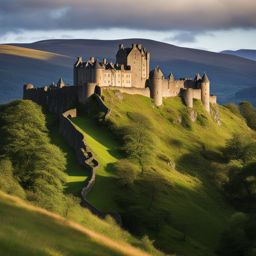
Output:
x=187 y=157
x=29 y=230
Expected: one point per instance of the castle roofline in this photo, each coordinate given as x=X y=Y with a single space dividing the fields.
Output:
x=156 y=73
x=205 y=78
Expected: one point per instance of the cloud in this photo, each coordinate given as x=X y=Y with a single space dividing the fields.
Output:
x=187 y=36
x=161 y=15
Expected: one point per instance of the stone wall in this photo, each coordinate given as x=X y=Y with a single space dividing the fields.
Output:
x=132 y=90
x=85 y=157
x=55 y=100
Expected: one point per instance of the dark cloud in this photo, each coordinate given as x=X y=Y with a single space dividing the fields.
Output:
x=186 y=36
x=161 y=15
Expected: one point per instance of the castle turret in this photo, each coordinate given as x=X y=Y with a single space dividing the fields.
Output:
x=98 y=72
x=156 y=81
x=205 y=92
x=78 y=62
x=188 y=97
x=60 y=83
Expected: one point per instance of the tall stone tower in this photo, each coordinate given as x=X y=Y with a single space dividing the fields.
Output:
x=138 y=59
x=205 y=92
x=156 y=86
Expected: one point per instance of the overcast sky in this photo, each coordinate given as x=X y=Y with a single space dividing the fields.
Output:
x=206 y=24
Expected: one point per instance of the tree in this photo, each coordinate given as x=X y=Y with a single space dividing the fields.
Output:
x=138 y=143
x=248 y=112
x=235 y=147
x=126 y=172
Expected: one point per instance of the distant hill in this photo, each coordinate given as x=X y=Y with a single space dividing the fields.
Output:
x=228 y=73
x=244 y=53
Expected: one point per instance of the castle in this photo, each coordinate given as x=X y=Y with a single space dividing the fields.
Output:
x=130 y=74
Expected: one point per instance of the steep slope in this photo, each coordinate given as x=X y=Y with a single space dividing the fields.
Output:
x=189 y=213
x=29 y=230
x=228 y=73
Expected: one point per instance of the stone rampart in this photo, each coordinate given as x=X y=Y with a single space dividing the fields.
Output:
x=130 y=90
x=54 y=99
x=85 y=157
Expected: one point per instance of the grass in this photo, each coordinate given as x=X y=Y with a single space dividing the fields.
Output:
x=197 y=208
x=28 y=53
x=76 y=174
x=105 y=149
x=29 y=230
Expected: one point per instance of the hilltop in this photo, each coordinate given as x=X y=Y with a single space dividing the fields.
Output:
x=228 y=74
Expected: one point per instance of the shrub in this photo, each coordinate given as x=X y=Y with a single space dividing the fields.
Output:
x=235 y=147
x=202 y=120
x=126 y=172
x=186 y=121
x=248 y=112
x=233 y=108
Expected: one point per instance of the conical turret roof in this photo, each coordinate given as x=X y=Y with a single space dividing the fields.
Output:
x=197 y=77
x=171 y=76
x=205 y=78
x=156 y=73
x=60 y=83
x=97 y=64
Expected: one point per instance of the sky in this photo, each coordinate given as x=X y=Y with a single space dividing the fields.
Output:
x=204 y=24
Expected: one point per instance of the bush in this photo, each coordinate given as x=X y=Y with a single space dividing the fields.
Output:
x=8 y=183
x=233 y=108
x=126 y=172
x=202 y=120
x=186 y=121
x=248 y=112
x=235 y=147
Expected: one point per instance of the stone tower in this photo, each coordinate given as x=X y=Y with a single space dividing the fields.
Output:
x=156 y=83
x=138 y=59
x=76 y=65
x=205 y=92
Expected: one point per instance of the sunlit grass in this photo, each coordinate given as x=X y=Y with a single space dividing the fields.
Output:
x=26 y=52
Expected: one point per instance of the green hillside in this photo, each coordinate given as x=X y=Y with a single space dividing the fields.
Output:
x=175 y=200
x=39 y=167
x=29 y=230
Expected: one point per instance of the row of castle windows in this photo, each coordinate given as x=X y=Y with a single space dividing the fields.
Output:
x=127 y=81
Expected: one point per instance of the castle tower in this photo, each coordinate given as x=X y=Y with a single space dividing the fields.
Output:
x=156 y=82
x=78 y=62
x=188 y=97
x=60 y=83
x=138 y=59
x=97 y=70
x=205 y=92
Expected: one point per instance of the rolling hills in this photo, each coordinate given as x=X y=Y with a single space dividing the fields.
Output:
x=229 y=74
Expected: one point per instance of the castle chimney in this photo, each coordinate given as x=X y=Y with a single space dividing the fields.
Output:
x=139 y=46
x=92 y=59
x=121 y=46
x=104 y=60
x=134 y=45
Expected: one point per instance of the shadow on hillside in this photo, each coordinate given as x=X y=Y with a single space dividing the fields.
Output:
x=199 y=161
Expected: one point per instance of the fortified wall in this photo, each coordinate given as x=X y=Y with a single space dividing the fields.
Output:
x=85 y=158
